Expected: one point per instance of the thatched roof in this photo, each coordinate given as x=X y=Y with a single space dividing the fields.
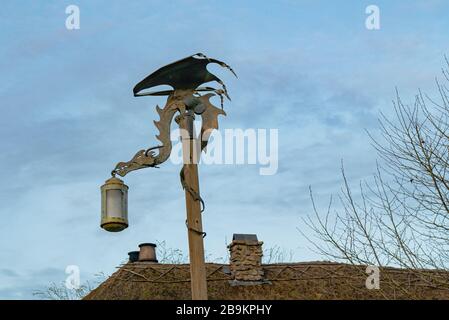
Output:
x=313 y=280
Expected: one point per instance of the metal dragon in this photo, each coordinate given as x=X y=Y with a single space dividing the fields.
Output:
x=185 y=77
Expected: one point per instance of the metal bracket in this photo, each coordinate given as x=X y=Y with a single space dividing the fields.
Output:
x=204 y=234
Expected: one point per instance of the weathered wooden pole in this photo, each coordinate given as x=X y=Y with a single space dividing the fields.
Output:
x=193 y=207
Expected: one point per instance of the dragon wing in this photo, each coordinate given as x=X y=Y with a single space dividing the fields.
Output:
x=187 y=73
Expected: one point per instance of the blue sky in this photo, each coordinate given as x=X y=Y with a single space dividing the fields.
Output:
x=308 y=68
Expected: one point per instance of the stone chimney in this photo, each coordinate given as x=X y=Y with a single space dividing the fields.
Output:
x=246 y=257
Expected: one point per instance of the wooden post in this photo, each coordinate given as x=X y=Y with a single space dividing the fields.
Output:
x=194 y=223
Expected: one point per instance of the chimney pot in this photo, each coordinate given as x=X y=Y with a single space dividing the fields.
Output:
x=147 y=252
x=133 y=256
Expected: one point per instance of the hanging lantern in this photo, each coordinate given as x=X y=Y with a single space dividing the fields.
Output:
x=114 y=205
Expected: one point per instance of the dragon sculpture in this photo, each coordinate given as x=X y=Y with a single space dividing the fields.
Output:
x=185 y=77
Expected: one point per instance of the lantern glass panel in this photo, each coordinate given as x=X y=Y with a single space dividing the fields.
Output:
x=114 y=201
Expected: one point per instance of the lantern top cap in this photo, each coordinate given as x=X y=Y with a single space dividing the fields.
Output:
x=114 y=180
